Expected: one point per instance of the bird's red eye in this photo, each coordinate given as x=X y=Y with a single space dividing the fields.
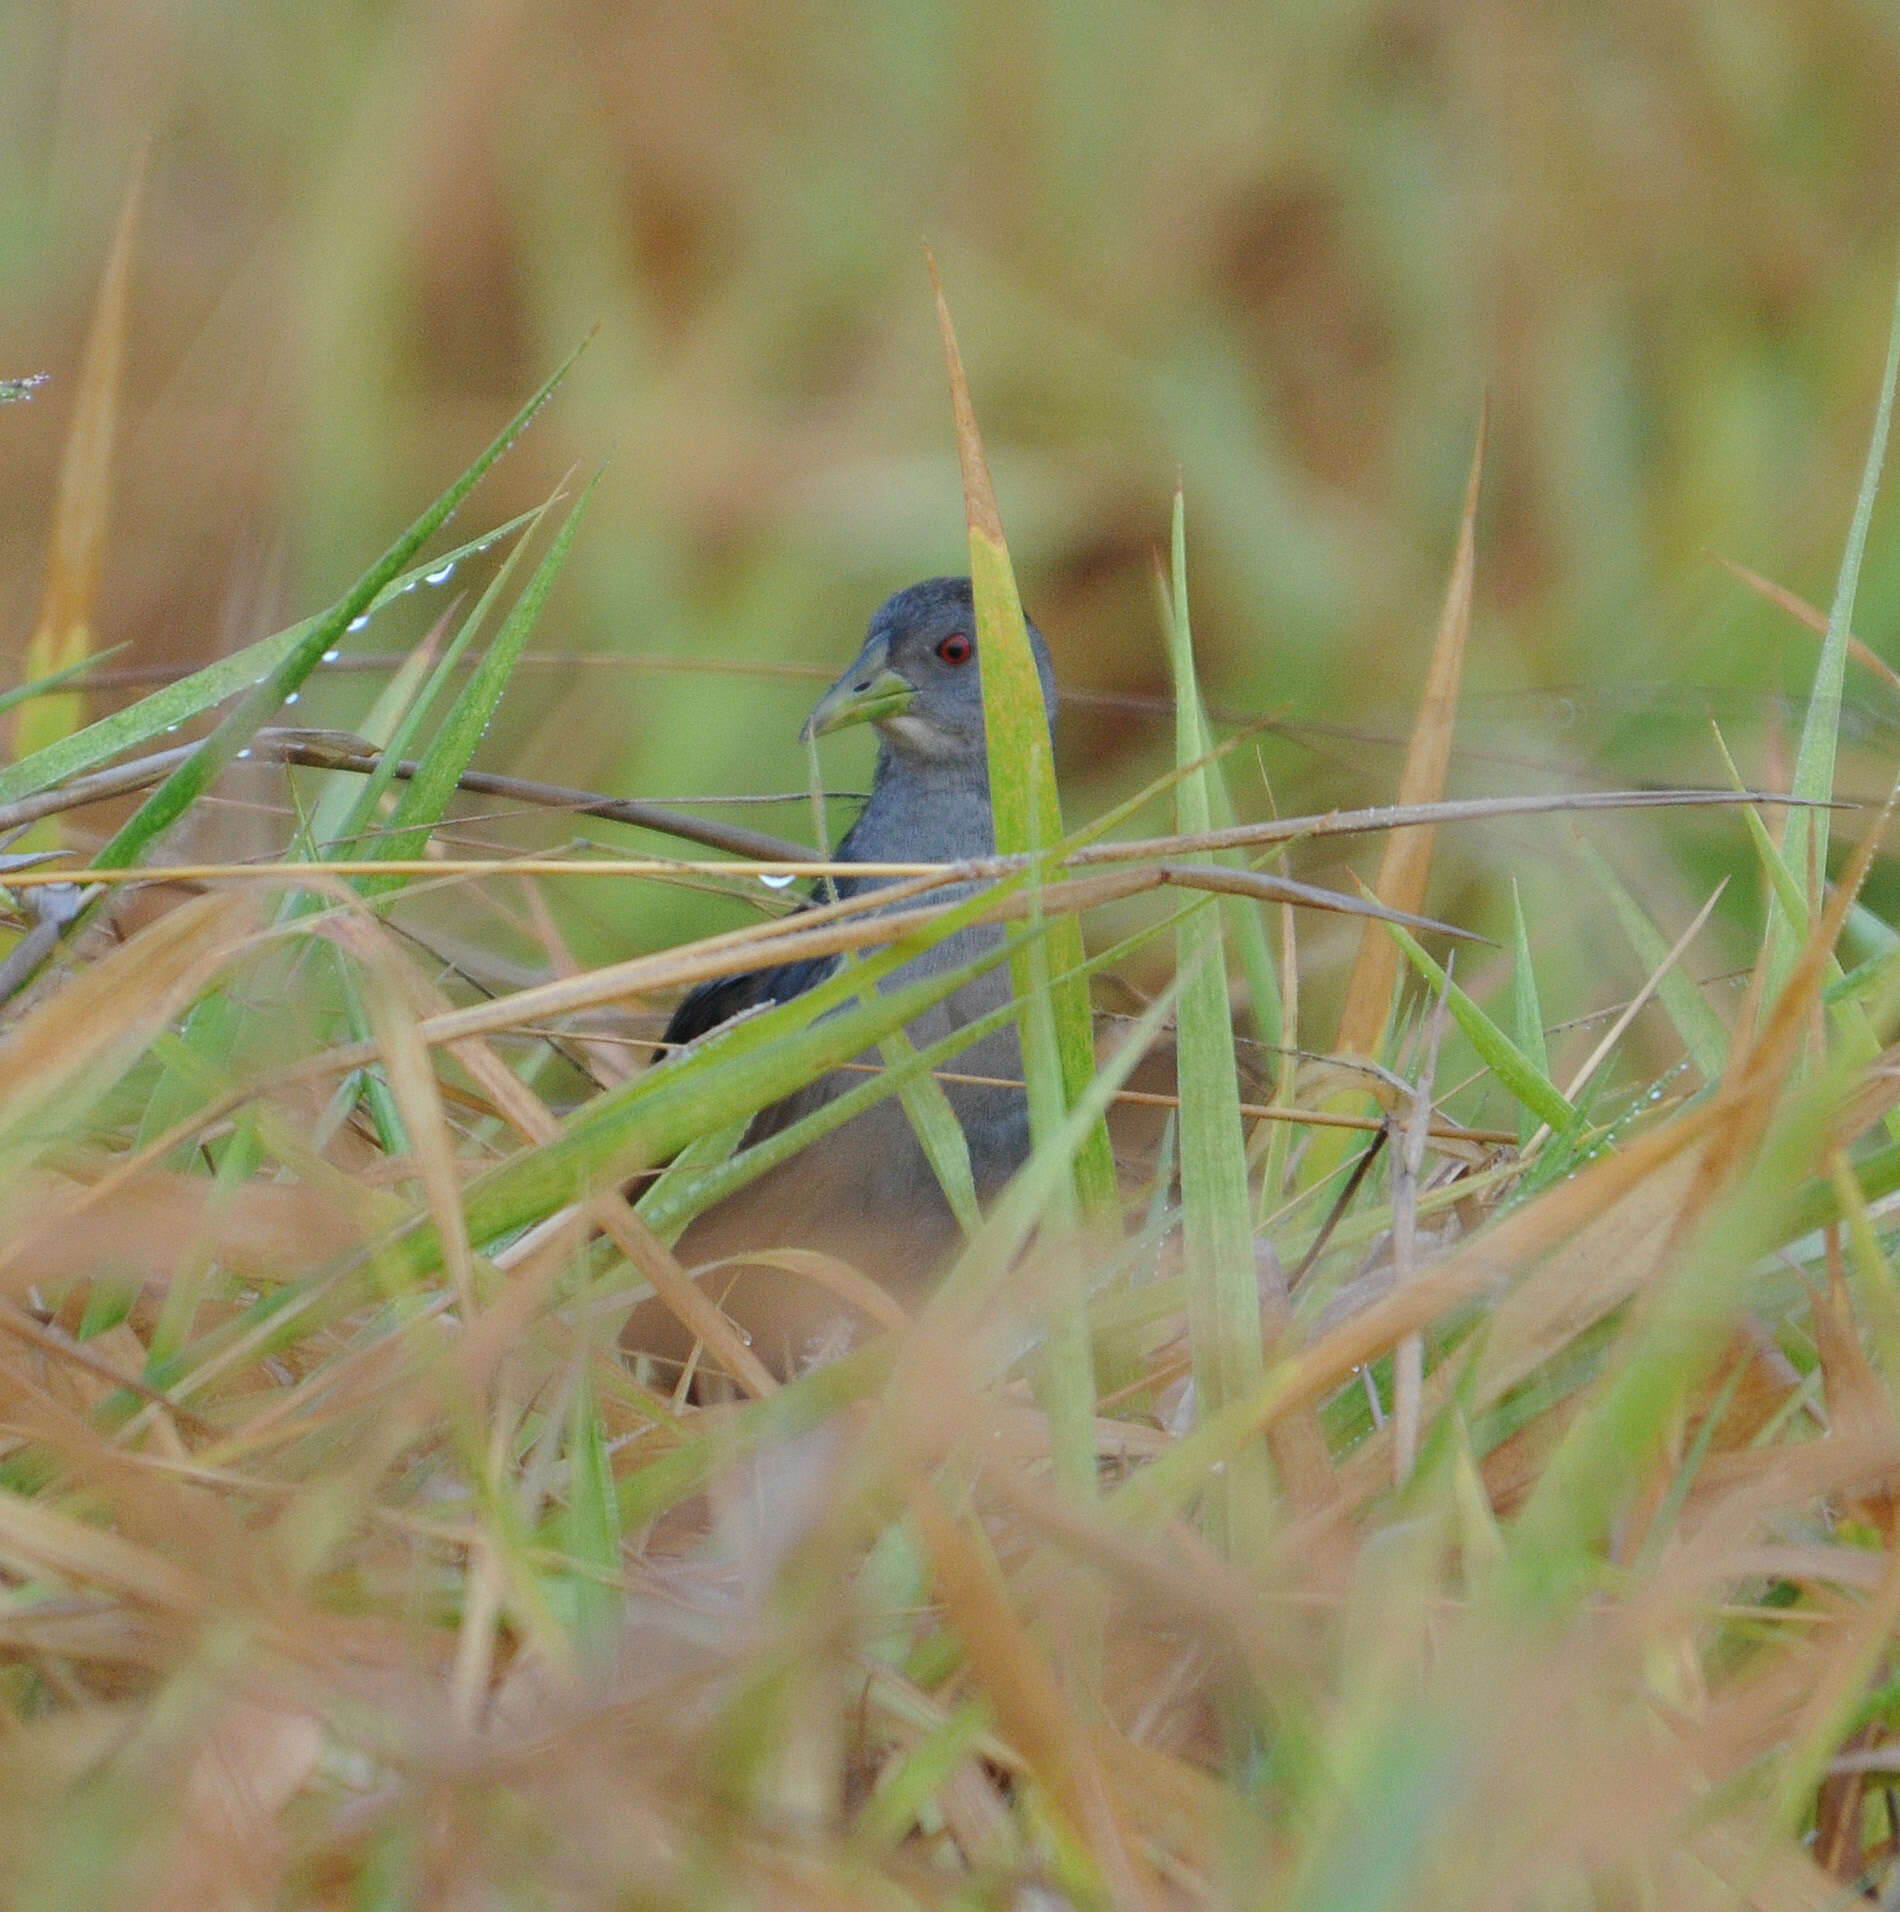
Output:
x=956 y=649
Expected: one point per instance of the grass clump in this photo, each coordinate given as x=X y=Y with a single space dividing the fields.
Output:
x=1444 y=1484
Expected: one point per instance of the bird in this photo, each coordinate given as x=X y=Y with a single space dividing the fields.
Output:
x=867 y=1191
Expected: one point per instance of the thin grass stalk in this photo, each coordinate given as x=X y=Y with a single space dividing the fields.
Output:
x=1820 y=728
x=1216 y=1215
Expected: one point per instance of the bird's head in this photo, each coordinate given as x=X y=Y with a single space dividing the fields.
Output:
x=918 y=677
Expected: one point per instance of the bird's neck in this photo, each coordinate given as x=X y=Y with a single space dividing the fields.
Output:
x=923 y=812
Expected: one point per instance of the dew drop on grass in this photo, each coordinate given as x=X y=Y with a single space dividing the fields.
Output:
x=441 y=574
x=357 y=623
x=777 y=882
x=330 y=657
x=294 y=695
x=245 y=752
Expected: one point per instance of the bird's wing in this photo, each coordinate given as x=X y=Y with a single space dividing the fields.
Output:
x=709 y=1004
x=706 y=1005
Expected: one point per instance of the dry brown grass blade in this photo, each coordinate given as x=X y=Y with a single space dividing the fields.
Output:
x=1582 y=1266
x=57 y=1233
x=836 y=1277
x=1806 y=614
x=1534 y=1320
x=113 y=1009
x=1157 y=851
x=1720 y=1539
x=689 y=1303
x=76 y=543
x=814 y=932
x=979 y=495
x=87 y=1371
x=37 y=1538
x=410 y=1071
x=250 y=1763
x=1857 y=1400
x=612 y=1213
x=1030 y=1708
x=1520 y=1239
x=1405 y=865
x=1629 y=1012
x=1749 y=1095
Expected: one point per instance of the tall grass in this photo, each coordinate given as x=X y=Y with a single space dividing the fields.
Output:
x=1478 y=1492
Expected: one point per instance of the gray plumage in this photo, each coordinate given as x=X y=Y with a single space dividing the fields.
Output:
x=918 y=680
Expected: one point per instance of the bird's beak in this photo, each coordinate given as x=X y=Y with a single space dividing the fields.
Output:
x=868 y=691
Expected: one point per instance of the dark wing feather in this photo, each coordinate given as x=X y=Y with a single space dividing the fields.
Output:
x=709 y=1004
x=706 y=1005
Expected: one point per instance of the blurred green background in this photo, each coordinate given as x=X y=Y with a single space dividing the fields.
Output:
x=1283 y=250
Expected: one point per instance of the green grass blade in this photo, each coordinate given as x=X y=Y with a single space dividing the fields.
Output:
x=196 y=774
x=596 y=1602
x=1023 y=793
x=345 y=813
x=1038 y=1184
x=1699 y=1027
x=429 y=791
x=166 y=708
x=649 y=1117
x=346 y=803
x=1509 y=1065
x=1529 y=1013
x=1217 y=1218
x=676 y=1198
x=1247 y=915
x=936 y=1126
x=45 y=686
x=1820 y=731
x=915 y=1780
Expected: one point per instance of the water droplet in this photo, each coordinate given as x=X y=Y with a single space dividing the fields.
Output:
x=245 y=752
x=441 y=574
x=170 y=729
x=294 y=695
x=357 y=623
x=330 y=657
x=774 y=881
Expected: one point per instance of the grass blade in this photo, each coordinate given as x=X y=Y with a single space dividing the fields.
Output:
x=62 y=639
x=427 y=794
x=1216 y=1217
x=1695 y=1022
x=192 y=778
x=177 y=703
x=1820 y=730
x=1406 y=861
x=1529 y=1012
x=732 y=1074
x=1509 y=1065
x=1022 y=783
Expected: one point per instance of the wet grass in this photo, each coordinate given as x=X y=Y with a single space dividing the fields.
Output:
x=1461 y=1473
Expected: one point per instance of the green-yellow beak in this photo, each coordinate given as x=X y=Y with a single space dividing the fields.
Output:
x=869 y=690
